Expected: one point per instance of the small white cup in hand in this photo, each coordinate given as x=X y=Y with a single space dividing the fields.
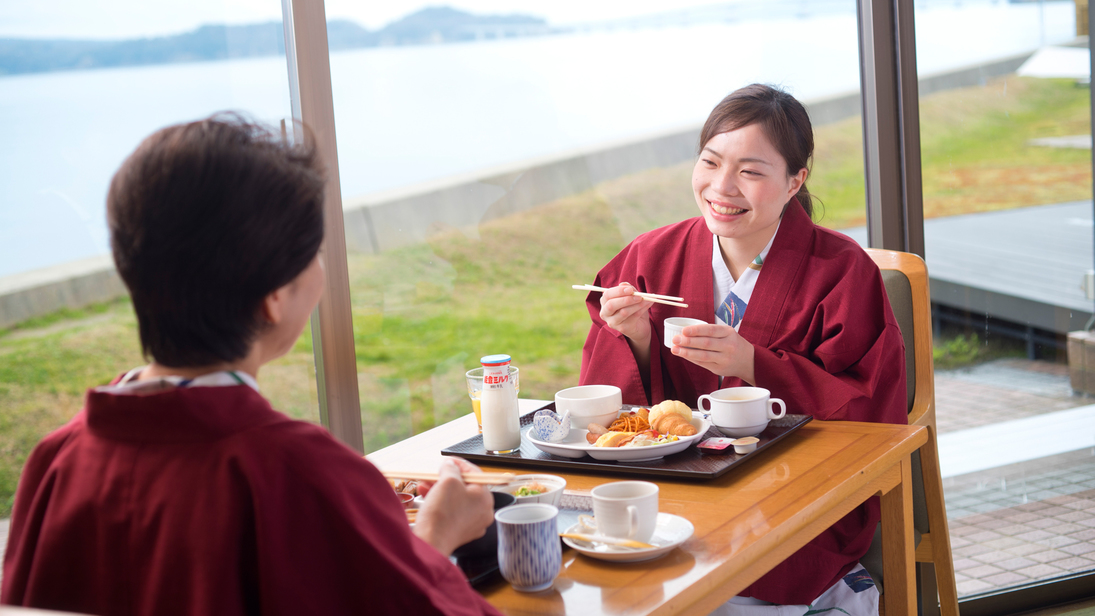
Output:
x=626 y=509
x=741 y=411
x=675 y=325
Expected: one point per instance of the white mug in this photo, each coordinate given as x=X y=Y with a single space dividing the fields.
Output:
x=742 y=411
x=626 y=509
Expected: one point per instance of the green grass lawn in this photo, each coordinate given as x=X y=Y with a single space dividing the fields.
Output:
x=424 y=314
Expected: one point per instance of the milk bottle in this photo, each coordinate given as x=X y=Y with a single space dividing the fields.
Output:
x=498 y=406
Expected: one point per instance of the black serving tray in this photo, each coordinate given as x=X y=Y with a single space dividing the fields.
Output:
x=688 y=464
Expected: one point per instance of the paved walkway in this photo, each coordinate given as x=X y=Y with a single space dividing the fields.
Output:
x=1022 y=265
x=1016 y=523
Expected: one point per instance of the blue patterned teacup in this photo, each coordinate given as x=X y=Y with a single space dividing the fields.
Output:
x=529 y=553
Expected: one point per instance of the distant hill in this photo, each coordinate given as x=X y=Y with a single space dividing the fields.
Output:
x=444 y=24
x=218 y=42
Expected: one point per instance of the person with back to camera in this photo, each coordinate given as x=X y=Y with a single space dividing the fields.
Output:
x=177 y=489
x=792 y=307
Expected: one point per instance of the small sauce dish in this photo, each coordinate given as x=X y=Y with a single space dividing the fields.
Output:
x=745 y=445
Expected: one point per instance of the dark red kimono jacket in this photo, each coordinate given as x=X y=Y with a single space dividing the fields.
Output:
x=825 y=341
x=206 y=501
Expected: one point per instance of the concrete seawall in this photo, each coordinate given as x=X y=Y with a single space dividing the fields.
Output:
x=390 y=219
x=69 y=285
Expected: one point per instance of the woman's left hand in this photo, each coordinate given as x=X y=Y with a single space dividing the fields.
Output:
x=717 y=348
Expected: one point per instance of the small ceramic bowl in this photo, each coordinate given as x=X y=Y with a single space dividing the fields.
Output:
x=549 y=426
x=406 y=499
x=745 y=445
x=674 y=326
x=554 y=484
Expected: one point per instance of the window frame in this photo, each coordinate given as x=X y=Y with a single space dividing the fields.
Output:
x=895 y=211
x=309 y=66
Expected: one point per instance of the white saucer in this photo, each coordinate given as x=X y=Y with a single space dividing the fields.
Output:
x=670 y=532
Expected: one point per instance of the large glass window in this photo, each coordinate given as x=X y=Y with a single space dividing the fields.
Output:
x=1008 y=233
x=81 y=84
x=489 y=165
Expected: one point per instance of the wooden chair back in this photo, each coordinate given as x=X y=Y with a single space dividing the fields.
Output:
x=906 y=279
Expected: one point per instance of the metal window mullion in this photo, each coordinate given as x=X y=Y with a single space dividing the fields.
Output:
x=909 y=114
x=309 y=68
x=891 y=126
x=1091 y=109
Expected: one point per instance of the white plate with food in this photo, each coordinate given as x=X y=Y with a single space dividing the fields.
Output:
x=576 y=445
x=670 y=532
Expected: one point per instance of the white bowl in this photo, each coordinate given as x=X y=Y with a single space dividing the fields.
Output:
x=588 y=404
x=554 y=483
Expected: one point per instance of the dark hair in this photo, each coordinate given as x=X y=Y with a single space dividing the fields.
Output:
x=206 y=219
x=782 y=118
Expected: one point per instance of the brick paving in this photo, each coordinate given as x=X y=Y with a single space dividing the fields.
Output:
x=1023 y=522
x=1001 y=391
x=1033 y=541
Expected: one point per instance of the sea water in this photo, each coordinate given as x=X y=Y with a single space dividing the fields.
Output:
x=410 y=114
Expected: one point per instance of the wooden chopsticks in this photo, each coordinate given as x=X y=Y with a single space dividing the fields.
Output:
x=489 y=479
x=668 y=300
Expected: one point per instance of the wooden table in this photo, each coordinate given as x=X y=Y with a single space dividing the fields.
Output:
x=746 y=521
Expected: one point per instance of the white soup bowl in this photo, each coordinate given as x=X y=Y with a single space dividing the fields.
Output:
x=588 y=404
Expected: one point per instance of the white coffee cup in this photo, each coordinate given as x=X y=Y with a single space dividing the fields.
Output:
x=626 y=509
x=675 y=325
x=742 y=411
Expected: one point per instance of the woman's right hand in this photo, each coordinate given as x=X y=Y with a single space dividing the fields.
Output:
x=627 y=314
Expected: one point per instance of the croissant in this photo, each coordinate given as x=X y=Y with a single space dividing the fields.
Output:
x=669 y=407
x=672 y=423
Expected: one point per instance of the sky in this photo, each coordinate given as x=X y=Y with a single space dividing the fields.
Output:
x=120 y=19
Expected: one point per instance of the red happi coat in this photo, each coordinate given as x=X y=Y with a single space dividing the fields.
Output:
x=825 y=341
x=205 y=501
